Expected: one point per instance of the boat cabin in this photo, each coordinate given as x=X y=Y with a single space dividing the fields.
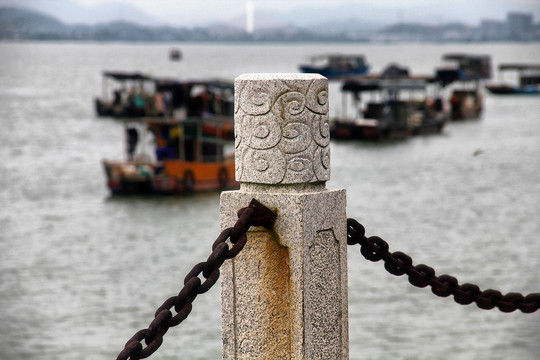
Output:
x=124 y=94
x=527 y=82
x=336 y=65
x=468 y=66
x=197 y=98
x=139 y=95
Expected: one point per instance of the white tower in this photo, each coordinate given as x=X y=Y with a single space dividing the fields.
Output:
x=250 y=20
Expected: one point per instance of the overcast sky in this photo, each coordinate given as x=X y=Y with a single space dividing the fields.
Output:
x=187 y=11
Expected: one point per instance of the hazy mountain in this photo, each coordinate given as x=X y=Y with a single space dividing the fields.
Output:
x=421 y=29
x=412 y=31
x=71 y=12
x=365 y=16
x=309 y=22
x=17 y=23
x=262 y=21
x=352 y=16
x=383 y=13
x=20 y=24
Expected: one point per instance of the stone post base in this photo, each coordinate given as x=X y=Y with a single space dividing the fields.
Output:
x=285 y=295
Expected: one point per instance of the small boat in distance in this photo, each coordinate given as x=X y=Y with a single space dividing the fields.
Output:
x=463 y=74
x=171 y=156
x=175 y=54
x=529 y=80
x=336 y=65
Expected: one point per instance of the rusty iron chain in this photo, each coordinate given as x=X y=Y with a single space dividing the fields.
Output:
x=397 y=263
x=255 y=214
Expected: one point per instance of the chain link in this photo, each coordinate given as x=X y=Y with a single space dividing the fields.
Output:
x=255 y=214
x=397 y=263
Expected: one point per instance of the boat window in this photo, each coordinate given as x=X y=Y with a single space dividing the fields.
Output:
x=526 y=80
x=189 y=149
x=211 y=151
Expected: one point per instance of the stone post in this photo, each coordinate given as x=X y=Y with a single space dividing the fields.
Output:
x=285 y=295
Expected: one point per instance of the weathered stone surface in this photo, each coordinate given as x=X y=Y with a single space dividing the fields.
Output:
x=285 y=295
x=282 y=133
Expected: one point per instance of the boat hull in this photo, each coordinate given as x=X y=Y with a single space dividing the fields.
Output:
x=466 y=104
x=333 y=73
x=172 y=177
x=435 y=128
x=512 y=90
x=346 y=130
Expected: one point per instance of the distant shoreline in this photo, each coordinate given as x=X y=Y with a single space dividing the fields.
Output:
x=18 y=24
x=266 y=42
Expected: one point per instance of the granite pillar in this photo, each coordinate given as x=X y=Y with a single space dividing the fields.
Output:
x=285 y=295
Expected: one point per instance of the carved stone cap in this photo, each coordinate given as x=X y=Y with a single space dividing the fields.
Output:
x=282 y=134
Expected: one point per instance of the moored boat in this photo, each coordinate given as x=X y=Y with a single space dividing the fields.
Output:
x=336 y=65
x=397 y=106
x=175 y=54
x=528 y=80
x=171 y=156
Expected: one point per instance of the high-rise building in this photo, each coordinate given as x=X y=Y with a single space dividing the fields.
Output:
x=493 y=30
x=520 y=25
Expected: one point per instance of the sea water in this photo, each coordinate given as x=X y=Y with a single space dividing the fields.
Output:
x=81 y=271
